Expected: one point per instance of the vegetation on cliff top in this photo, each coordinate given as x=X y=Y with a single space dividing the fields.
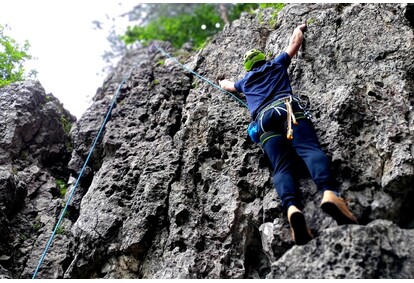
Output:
x=179 y=24
x=12 y=57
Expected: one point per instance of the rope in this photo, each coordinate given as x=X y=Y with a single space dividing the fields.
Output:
x=201 y=77
x=290 y=116
x=81 y=172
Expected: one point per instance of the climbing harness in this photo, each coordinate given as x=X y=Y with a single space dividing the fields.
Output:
x=277 y=105
x=108 y=114
x=267 y=136
x=273 y=105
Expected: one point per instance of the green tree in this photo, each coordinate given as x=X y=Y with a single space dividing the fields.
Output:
x=172 y=22
x=12 y=57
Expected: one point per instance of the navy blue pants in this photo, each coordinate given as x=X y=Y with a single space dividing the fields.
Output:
x=280 y=152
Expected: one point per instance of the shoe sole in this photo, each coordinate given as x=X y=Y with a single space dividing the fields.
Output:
x=300 y=230
x=331 y=209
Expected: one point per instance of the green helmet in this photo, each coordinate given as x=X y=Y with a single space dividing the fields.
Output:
x=251 y=57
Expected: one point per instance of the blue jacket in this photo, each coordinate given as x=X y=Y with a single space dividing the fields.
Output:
x=265 y=83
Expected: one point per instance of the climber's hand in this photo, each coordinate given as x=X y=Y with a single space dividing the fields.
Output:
x=227 y=85
x=223 y=82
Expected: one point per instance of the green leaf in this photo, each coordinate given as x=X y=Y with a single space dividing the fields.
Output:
x=12 y=58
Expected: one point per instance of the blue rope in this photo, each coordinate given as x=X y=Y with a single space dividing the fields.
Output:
x=201 y=77
x=81 y=172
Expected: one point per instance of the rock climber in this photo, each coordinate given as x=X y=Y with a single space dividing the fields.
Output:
x=273 y=107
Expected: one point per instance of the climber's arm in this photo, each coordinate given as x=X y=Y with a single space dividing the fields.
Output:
x=296 y=40
x=227 y=85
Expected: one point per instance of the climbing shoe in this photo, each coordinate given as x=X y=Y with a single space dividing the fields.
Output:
x=301 y=234
x=337 y=208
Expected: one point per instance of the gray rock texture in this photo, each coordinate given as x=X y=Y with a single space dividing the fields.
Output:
x=378 y=250
x=175 y=188
x=35 y=149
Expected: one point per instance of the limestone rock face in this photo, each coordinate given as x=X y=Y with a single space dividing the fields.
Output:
x=176 y=189
x=378 y=250
x=35 y=149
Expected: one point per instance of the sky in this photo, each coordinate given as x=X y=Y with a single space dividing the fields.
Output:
x=67 y=48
